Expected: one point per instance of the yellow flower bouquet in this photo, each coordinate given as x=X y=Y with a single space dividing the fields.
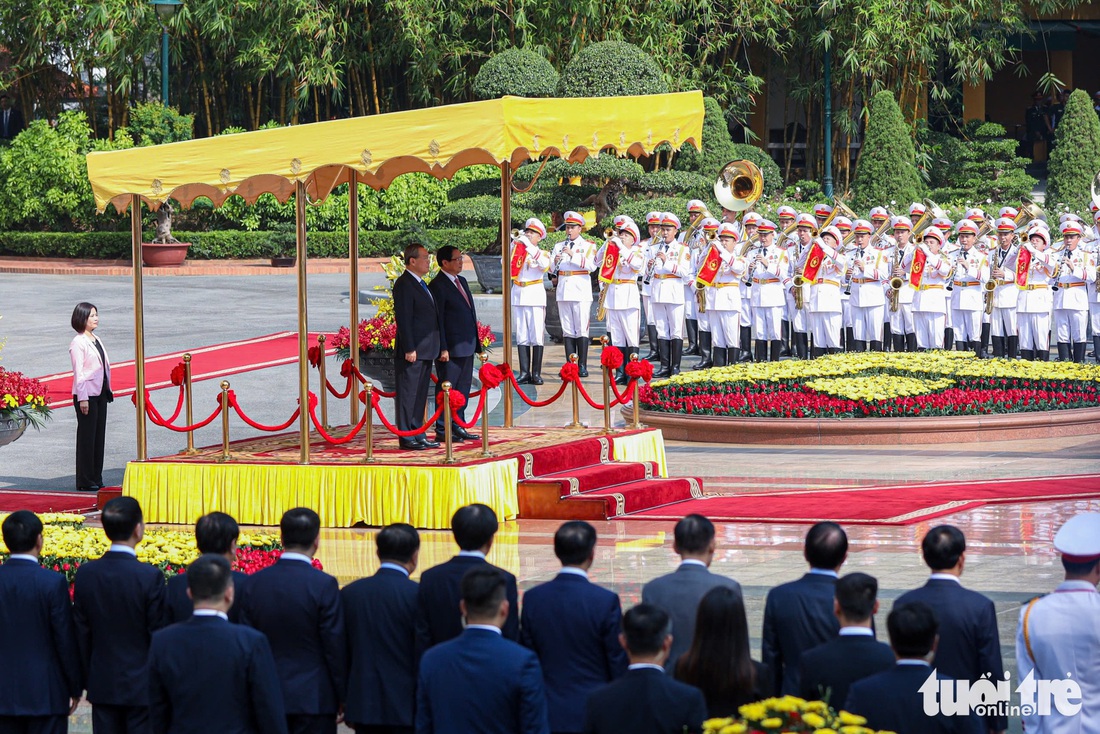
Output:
x=789 y=714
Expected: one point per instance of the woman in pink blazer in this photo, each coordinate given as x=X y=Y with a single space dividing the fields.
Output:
x=91 y=393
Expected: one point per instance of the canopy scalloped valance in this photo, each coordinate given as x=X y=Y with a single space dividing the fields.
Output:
x=438 y=141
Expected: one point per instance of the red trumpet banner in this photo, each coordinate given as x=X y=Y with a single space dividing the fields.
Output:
x=916 y=270
x=1023 y=267
x=814 y=258
x=610 y=261
x=519 y=254
x=708 y=269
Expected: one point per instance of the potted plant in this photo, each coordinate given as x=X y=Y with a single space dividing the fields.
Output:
x=165 y=250
x=284 y=246
x=24 y=401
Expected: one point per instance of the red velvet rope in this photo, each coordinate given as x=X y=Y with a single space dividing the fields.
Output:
x=325 y=434
x=339 y=395
x=536 y=403
x=261 y=426
x=394 y=429
x=382 y=393
x=477 y=415
x=622 y=398
x=158 y=419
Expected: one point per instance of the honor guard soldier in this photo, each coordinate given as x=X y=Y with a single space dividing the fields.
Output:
x=785 y=216
x=750 y=221
x=916 y=211
x=879 y=214
x=1094 y=293
x=900 y=314
x=769 y=270
x=724 y=297
x=622 y=261
x=796 y=306
x=969 y=272
x=1002 y=271
x=710 y=232
x=869 y=270
x=844 y=224
x=671 y=272
x=571 y=264
x=821 y=213
x=928 y=271
x=1034 y=268
x=1071 y=300
x=696 y=210
x=823 y=267
x=1058 y=639
x=528 y=269
x=648 y=246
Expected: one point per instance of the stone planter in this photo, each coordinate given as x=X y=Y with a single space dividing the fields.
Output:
x=172 y=254
x=490 y=272
x=283 y=262
x=377 y=366
x=11 y=430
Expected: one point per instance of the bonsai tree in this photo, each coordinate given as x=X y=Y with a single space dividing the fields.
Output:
x=888 y=164
x=164 y=226
x=518 y=72
x=611 y=69
x=1075 y=159
x=980 y=166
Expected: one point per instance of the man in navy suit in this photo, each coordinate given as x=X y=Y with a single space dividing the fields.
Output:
x=970 y=644
x=829 y=669
x=207 y=675
x=298 y=608
x=419 y=343
x=117 y=605
x=216 y=534
x=380 y=613
x=680 y=592
x=455 y=304
x=892 y=700
x=40 y=679
x=479 y=681
x=798 y=615
x=645 y=700
x=573 y=626
x=438 y=615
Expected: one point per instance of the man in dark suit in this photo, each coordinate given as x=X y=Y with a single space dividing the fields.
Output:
x=380 y=613
x=798 y=615
x=970 y=645
x=207 y=675
x=678 y=593
x=419 y=343
x=573 y=626
x=455 y=304
x=438 y=616
x=893 y=700
x=479 y=681
x=829 y=669
x=216 y=534
x=117 y=605
x=40 y=680
x=11 y=120
x=645 y=700
x=298 y=608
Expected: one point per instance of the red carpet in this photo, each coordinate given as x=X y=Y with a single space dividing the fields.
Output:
x=18 y=499
x=207 y=363
x=883 y=505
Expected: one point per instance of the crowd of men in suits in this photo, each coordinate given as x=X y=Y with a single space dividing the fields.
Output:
x=287 y=650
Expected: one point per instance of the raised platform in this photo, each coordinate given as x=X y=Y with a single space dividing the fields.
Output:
x=263 y=479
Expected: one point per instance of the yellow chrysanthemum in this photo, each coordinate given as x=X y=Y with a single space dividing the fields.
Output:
x=772 y=722
x=753 y=711
x=716 y=724
x=851 y=719
x=815 y=720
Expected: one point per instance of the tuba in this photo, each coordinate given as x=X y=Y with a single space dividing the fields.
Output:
x=695 y=227
x=740 y=183
x=1030 y=211
x=839 y=207
x=932 y=211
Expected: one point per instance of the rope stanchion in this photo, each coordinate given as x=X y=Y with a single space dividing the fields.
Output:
x=604 y=341
x=485 y=452
x=448 y=414
x=324 y=380
x=224 y=399
x=570 y=372
x=367 y=397
x=322 y=430
x=397 y=431
x=640 y=371
x=158 y=419
x=260 y=426
x=188 y=398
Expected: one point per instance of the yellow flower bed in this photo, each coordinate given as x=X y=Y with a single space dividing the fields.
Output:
x=789 y=714
x=53 y=518
x=877 y=387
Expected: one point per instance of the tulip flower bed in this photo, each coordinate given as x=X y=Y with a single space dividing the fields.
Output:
x=878 y=385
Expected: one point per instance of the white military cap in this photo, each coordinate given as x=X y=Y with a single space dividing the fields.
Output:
x=1079 y=539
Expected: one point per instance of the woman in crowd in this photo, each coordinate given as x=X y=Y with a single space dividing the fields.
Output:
x=91 y=393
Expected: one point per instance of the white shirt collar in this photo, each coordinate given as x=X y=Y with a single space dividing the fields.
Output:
x=120 y=548
x=946 y=577
x=692 y=562
x=1076 y=585
x=856 y=632
x=914 y=661
x=644 y=666
x=452 y=278
x=824 y=572
x=574 y=570
x=22 y=557
x=210 y=613
x=472 y=554
x=415 y=276
x=395 y=567
x=488 y=627
x=292 y=556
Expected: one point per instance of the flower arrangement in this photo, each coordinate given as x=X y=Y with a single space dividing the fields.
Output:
x=23 y=399
x=878 y=384
x=788 y=714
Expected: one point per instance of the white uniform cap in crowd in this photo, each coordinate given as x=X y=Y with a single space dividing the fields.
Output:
x=879 y=213
x=631 y=227
x=1069 y=216
x=534 y=224
x=727 y=229
x=806 y=220
x=1005 y=224
x=966 y=226
x=786 y=211
x=822 y=210
x=751 y=219
x=573 y=218
x=710 y=224
x=935 y=233
x=843 y=224
x=1078 y=540
x=916 y=209
x=668 y=219
x=696 y=206
x=1038 y=224
x=862 y=226
x=1009 y=211
x=832 y=229
x=653 y=218
x=1071 y=226
x=901 y=223
x=1041 y=233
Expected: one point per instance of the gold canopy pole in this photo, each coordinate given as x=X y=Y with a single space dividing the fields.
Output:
x=506 y=278
x=303 y=322
x=353 y=286
x=139 y=323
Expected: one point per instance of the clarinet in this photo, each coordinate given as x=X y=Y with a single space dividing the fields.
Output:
x=650 y=267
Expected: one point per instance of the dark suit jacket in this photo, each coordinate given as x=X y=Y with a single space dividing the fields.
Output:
x=180 y=606
x=829 y=670
x=380 y=612
x=438 y=616
x=645 y=701
x=38 y=641
x=679 y=594
x=419 y=323
x=970 y=645
x=118 y=603
x=207 y=675
x=573 y=626
x=16 y=125
x=892 y=701
x=798 y=616
x=480 y=682
x=298 y=608
x=458 y=318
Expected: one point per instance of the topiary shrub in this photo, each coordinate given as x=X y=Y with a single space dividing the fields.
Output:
x=480 y=211
x=518 y=72
x=151 y=123
x=611 y=69
x=638 y=208
x=888 y=164
x=672 y=183
x=719 y=149
x=1076 y=156
x=979 y=166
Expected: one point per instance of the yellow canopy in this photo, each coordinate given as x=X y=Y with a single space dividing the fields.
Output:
x=437 y=140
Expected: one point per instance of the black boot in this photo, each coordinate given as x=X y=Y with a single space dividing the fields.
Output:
x=761 y=351
x=1028 y=354
x=676 y=355
x=834 y=350
x=948 y=338
x=998 y=346
x=692 y=328
x=785 y=333
x=582 y=355
x=524 y=376
x=975 y=347
x=1012 y=347
x=774 y=348
x=1096 y=348
x=899 y=342
x=1063 y=352
x=910 y=342
x=664 y=349
x=620 y=374
x=746 y=344
x=817 y=352
x=536 y=364
x=706 y=341
x=1079 y=352
x=1042 y=355
x=651 y=332
x=887 y=337
x=987 y=330
x=959 y=346
x=857 y=345
x=570 y=345
x=719 y=356
x=876 y=346
x=802 y=345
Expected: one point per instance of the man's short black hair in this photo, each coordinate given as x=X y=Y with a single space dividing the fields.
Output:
x=216 y=532
x=855 y=593
x=483 y=589
x=826 y=545
x=693 y=534
x=912 y=629
x=120 y=518
x=299 y=527
x=1079 y=569
x=646 y=627
x=21 y=530
x=473 y=526
x=942 y=547
x=208 y=577
x=81 y=313
x=574 y=542
x=398 y=542
x=445 y=253
x=411 y=251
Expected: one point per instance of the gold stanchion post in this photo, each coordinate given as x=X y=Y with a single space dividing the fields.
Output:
x=607 y=377
x=485 y=452
x=324 y=381
x=368 y=426
x=576 y=398
x=448 y=443
x=634 y=398
x=225 y=421
x=188 y=398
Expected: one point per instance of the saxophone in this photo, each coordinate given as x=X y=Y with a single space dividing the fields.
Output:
x=896 y=281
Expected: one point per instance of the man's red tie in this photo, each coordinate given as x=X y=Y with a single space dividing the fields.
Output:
x=463 y=292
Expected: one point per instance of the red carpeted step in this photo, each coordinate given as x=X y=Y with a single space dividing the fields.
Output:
x=645 y=494
x=564 y=457
x=599 y=476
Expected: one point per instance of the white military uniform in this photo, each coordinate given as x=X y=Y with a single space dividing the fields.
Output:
x=622 y=302
x=901 y=321
x=573 y=261
x=929 y=299
x=867 y=303
x=1071 y=300
x=768 y=292
x=529 y=295
x=824 y=304
x=1034 y=304
x=796 y=253
x=724 y=302
x=668 y=288
x=1006 y=295
x=967 y=295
